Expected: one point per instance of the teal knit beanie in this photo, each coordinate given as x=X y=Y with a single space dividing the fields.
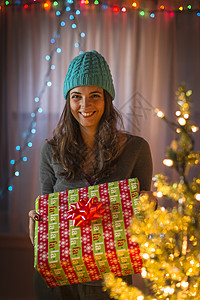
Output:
x=89 y=68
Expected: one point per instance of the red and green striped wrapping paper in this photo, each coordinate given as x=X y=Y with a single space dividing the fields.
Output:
x=66 y=254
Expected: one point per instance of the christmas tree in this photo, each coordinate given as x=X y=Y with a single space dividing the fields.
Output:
x=169 y=239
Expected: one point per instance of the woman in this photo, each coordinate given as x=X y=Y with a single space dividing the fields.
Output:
x=87 y=149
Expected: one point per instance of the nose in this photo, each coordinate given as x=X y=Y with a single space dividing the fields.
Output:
x=85 y=102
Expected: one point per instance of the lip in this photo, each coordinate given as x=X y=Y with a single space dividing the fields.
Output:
x=87 y=114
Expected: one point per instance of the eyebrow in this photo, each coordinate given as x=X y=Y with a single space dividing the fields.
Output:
x=90 y=93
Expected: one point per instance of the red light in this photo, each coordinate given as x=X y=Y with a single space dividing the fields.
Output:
x=116 y=9
x=26 y=6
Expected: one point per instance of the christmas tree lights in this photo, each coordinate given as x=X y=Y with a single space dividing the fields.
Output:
x=169 y=239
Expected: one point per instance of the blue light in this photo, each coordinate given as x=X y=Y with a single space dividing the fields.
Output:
x=152 y=15
x=82 y=34
x=40 y=109
x=68 y=8
x=76 y=45
x=70 y=1
x=58 y=13
x=30 y=144
x=198 y=14
x=25 y=158
x=78 y=12
x=17 y=173
x=53 y=67
x=37 y=99
x=71 y=17
x=62 y=23
x=104 y=6
x=49 y=83
x=81 y=52
x=10 y=188
x=58 y=50
x=32 y=115
x=17 y=148
x=73 y=25
x=12 y=161
x=48 y=57
x=52 y=41
x=33 y=123
x=33 y=130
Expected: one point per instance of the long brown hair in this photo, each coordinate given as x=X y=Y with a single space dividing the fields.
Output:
x=70 y=149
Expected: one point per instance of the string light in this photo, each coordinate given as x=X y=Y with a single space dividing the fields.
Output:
x=182 y=121
x=32 y=131
x=159 y=113
x=168 y=162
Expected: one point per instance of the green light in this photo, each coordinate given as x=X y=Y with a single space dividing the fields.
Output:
x=189 y=6
x=96 y=2
x=55 y=3
x=142 y=13
x=7 y=2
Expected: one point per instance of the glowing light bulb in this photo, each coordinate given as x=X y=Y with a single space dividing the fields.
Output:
x=197 y=196
x=55 y=3
x=49 y=83
x=17 y=173
x=68 y=8
x=182 y=121
x=180 y=8
x=78 y=12
x=186 y=116
x=12 y=161
x=52 y=41
x=168 y=162
x=144 y=272
x=189 y=6
x=116 y=9
x=10 y=188
x=159 y=113
x=159 y=194
x=76 y=45
x=58 y=50
x=25 y=158
x=178 y=130
x=74 y=26
x=141 y=13
x=194 y=128
x=152 y=15
x=123 y=9
x=18 y=148
x=48 y=57
x=30 y=144
x=140 y=298
x=58 y=13
x=184 y=284
x=82 y=34
x=26 y=6
x=162 y=7
x=46 y=5
x=145 y=255
x=96 y=2
x=134 y=4
x=62 y=24
x=178 y=113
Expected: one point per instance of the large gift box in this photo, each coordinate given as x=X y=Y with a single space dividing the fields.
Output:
x=83 y=233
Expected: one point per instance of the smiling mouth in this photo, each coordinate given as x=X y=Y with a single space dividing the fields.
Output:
x=87 y=114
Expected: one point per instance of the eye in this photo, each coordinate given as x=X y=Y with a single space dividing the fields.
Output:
x=96 y=96
x=75 y=96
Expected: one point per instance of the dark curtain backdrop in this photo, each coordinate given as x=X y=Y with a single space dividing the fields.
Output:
x=149 y=59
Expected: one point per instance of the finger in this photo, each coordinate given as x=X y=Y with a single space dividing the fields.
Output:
x=31 y=230
x=33 y=215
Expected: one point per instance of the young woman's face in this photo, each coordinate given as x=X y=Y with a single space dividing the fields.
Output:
x=87 y=105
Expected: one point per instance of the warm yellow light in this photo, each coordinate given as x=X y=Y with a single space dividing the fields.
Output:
x=168 y=162
x=197 y=196
x=180 y=8
x=178 y=113
x=178 y=130
x=134 y=4
x=184 y=284
x=162 y=7
x=145 y=255
x=194 y=128
x=46 y=5
x=144 y=272
x=159 y=194
x=159 y=113
x=140 y=298
x=186 y=116
x=182 y=121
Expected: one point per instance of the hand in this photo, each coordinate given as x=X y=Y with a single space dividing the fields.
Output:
x=33 y=216
x=151 y=197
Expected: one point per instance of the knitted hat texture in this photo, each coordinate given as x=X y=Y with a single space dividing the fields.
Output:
x=89 y=68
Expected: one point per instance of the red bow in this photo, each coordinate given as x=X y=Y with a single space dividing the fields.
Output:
x=84 y=210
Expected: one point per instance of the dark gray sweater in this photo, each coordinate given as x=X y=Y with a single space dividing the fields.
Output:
x=134 y=161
